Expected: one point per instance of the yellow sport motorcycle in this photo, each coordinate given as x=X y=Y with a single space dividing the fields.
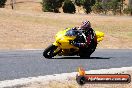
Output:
x=63 y=47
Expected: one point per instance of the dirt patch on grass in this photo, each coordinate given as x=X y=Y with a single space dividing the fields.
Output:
x=36 y=30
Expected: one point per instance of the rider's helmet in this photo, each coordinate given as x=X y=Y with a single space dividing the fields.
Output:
x=85 y=25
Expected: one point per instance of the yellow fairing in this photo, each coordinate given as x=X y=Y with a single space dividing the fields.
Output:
x=63 y=41
x=100 y=36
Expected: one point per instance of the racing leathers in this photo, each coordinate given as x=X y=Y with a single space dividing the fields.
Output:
x=85 y=39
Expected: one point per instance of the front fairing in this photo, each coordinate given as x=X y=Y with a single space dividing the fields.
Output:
x=63 y=38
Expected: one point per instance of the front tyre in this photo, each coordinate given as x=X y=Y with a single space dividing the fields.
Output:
x=49 y=51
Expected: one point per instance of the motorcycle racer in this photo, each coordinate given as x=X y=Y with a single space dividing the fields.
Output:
x=81 y=41
x=87 y=36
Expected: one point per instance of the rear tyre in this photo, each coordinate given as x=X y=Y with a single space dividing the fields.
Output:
x=86 y=53
x=49 y=51
x=92 y=49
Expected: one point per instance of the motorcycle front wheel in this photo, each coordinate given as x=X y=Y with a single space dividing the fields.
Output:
x=49 y=51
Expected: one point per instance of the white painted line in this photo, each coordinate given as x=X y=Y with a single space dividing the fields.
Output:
x=63 y=76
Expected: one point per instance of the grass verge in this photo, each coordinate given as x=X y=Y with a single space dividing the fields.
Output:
x=32 y=30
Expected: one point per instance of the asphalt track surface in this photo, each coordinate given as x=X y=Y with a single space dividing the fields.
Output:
x=29 y=63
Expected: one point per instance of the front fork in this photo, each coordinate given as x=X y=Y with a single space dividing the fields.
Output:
x=58 y=50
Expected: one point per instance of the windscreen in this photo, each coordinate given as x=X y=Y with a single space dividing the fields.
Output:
x=72 y=32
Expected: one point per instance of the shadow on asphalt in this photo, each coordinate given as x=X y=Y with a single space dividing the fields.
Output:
x=81 y=57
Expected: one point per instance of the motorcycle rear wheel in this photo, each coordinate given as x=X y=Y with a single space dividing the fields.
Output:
x=49 y=51
x=87 y=52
